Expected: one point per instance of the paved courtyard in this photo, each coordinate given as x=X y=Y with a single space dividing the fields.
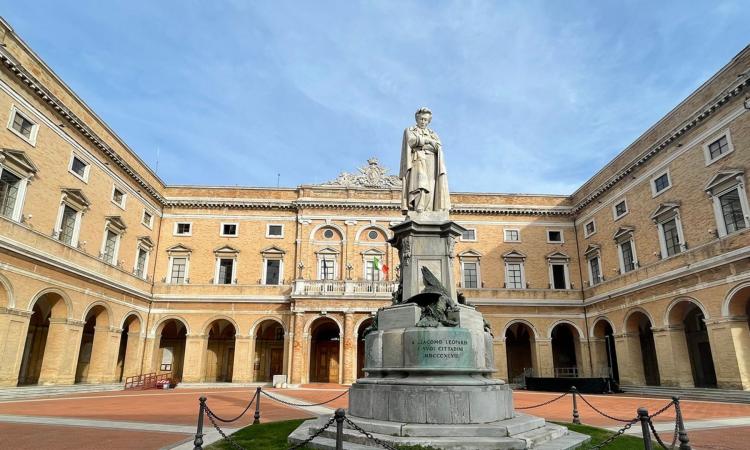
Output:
x=166 y=419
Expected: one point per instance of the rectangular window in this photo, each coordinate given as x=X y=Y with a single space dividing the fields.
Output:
x=471 y=280
x=469 y=235
x=68 y=225
x=512 y=236
x=22 y=125
x=118 y=197
x=148 y=219
x=731 y=211
x=554 y=236
x=596 y=273
x=718 y=147
x=78 y=167
x=182 y=229
x=110 y=247
x=628 y=259
x=660 y=183
x=371 y=273
x=513 y=276
x=179 y=268
x=275 y=231
x=327 y=267
x=558 y=276
x=229 y=229
x=9 y=188
x=621 y=209
x=140 y=263
x=226 y=271
x=589 y=228
x=273 y=271
x=671 y=237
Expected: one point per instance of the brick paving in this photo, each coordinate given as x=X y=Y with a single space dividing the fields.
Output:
x=179 y=407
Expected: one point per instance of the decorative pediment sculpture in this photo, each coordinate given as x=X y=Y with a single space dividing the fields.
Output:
x=373 y=175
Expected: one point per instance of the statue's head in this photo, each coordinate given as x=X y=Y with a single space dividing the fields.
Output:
x=423 y=117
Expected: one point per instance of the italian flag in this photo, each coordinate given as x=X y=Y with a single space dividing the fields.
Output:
x=376 y=266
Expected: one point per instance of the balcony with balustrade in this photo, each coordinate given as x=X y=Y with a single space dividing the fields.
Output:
x=344 y=288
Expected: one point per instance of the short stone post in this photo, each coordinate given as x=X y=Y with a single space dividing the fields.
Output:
x=256 y=417
x=576 y=416
x=198 y=441
x=681 y=433
x=643 y=417
x=340 y=414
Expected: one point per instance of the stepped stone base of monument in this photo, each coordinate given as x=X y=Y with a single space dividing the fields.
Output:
x=520 y=432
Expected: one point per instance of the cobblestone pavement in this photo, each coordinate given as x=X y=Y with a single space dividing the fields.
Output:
x=158 y=419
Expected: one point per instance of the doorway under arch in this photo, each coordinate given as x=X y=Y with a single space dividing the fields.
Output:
x=361 y=347
x=220 y=351
x=170 y=355
x=519 y=342
x=687 y=314
x=49 y=306
x=127 y=357
x=92 y=354
x=268 y=359
x=324 y=351
x=642 y=349
x=566 y=353
x=606 y=353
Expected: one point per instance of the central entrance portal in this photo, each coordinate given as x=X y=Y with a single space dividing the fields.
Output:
x=324 y=351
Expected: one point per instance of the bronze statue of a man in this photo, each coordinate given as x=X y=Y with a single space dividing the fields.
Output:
x=423 y=174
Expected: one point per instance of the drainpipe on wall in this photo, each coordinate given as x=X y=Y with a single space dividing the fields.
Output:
x=585 y=313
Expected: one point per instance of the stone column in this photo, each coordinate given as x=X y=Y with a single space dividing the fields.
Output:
x=133 y=354
x=243 y=364
x=543 y=349
x=630 y=359
x=349 y=349
x=730 y=349
x=501 y=359
x=598 y=356
x=14 y=325
x=583 y=360
x=287 y=353
x=194 y=369
x=298 y=349
x=150 y=353
x=61 y=351
x=104 y=355
x=672 y=356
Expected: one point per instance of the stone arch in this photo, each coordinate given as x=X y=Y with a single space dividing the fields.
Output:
x=105 y=306
x=336 y=227
x=523 y=321
x=581 y=334
x=221 y=333
x=259 y=321
x=326 y=341
x=369 y=226
x=596 y=322
x=310 y=322
x=359 y=323
x=7 y=297
x=730 y=306
x=130 y=344
x=129 y=314
x=57 y=308
x=359 y=339
x=207 y=325
x=159 y=325
x=670 y=314
x=637 y=309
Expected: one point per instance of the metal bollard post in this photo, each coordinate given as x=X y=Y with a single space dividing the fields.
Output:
x=576 y=416
x=256 y=418
x=340 y=414
x=198 y=441
x=681 y=433
x=643 y=416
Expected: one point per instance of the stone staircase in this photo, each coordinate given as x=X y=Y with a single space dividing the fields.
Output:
x=27 y=392
x=709 y=394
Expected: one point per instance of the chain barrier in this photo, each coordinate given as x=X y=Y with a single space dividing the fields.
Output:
x=619 y=433
x=545 y=403
x=668 y=405
x=314 y=435
x=303 y=404
x=226 y=437
x=252 y=400
x=369 y=435
x=658 y=438
x=617 y=419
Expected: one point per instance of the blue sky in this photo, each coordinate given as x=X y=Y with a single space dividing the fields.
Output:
x=527 y=96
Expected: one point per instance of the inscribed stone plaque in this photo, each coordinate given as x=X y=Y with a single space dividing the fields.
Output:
x=438 y=347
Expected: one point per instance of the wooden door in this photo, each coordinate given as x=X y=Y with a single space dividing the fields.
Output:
x=326 y=363
x=277 y=359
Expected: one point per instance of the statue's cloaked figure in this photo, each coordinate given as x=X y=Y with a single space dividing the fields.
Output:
x=425 y=180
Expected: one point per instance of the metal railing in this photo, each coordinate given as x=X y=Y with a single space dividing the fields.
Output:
x=147 y=380
x=566 y=372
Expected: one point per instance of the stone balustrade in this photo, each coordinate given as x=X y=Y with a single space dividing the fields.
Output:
x=323 y=288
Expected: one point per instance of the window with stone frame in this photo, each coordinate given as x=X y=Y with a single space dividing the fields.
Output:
x=371 y=272
x=229 y=229
x=718 y=147
x=23 y=126
x=554 y=236
x=470 y=274
x=178 y=274
x=118 y=197
x=327 y=268
x=660 y=183
x=148 y=219
x=671 y=237
x=512 y=235
x=140 y=263
x=183 y=228
x=727 y=191
x=667 y=219
x=274 y=231
x=111 y=241
x=514 y=275
x=620 y=209
x=68 y=225
x=16 y=169
x=225 y=274
x=273 y=272
x=559 y=271
x=595 y=270
x=589 y=228
x=469 y=234
x=10 y=185
x=628 y=258
x=79 y=168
